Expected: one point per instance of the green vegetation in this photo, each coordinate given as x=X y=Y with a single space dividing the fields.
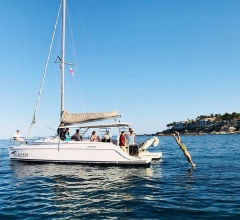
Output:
x=213 y=124
x=218 y=118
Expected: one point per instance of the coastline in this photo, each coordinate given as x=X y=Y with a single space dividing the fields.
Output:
x=201 y=133
x=192 y=133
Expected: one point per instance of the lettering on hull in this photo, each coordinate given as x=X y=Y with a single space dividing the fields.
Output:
x=16 y=154
x=90 y=146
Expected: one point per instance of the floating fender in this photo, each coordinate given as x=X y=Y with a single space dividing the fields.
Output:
x=156 y=141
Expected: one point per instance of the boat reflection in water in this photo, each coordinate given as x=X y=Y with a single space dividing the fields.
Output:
x=23 y=170
x=82 y=186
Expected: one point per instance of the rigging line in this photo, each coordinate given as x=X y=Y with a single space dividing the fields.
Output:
x=72 y=94
x=44 y=73
x=75 y=57
x=70 y=91
x=106 y=81
x=51 y=128
x=67 y=89
x=39 y=131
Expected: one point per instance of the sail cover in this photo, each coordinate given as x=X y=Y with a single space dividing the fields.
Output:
x=86 y=117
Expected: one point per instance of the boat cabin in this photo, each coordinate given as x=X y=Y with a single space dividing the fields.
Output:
x=101 y=129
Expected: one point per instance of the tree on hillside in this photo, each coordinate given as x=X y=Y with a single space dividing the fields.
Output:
x=234 y=115
x=226 y=116
x=218 y=117
x=208 y=122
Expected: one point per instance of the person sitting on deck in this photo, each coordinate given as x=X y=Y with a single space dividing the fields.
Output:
x=77 y=136
x=94 y=137
x=107 y=137
x=67 y=135
x=17 y=137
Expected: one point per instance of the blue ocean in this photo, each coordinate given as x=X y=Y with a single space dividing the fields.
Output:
x=169 y=189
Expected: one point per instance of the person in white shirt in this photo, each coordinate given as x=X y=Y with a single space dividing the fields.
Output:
x=17 y=137
x=107 y=137
x=131 y=130
x=131 y=138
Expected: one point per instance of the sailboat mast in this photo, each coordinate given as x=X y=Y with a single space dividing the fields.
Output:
x=63 y=56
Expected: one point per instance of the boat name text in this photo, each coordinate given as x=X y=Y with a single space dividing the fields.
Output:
x=16 y=154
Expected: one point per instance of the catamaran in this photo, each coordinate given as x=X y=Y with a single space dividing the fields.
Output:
x=54 y=149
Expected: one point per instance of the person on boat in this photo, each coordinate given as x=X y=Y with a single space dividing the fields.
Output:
x=67 y=135
x=94 y=137
x=17 y=137
x=107 y=137
x=131 y=137
x=61 y=131
x=183 y=148
x=77 y=136
x=122 y=142
x=131 y=130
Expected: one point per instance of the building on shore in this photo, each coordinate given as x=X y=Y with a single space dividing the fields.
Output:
x=204 y=123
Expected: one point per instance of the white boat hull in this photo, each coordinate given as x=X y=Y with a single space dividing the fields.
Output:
x=151 y=155
x=82 y=152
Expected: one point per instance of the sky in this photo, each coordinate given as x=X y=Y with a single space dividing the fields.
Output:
x=154 y=61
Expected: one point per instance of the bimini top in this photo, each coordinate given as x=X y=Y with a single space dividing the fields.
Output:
x=87 y=117
x=117 y=124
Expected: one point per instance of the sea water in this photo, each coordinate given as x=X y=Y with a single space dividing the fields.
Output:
x=169 y=189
